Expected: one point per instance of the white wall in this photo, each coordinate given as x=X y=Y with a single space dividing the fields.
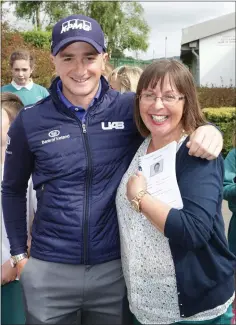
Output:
x=217 y=59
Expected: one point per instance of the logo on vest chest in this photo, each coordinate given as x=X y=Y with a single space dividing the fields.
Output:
x=113 y=125
x=54 y=136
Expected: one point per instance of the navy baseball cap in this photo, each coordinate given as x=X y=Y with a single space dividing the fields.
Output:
x=76 y=28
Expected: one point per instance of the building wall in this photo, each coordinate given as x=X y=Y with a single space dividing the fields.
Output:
x=195 y=69
x=217 y=59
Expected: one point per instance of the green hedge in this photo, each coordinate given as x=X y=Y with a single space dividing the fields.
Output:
x=38 y=39
x=217 y=96
x=225 y=119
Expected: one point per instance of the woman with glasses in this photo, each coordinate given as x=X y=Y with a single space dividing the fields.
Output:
x=176 y=262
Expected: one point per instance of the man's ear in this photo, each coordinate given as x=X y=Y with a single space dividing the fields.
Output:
x=104 y=60
x=52 y=58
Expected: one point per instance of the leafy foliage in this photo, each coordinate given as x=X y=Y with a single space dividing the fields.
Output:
x=39 y=39
x=29 y=10
x=217 y=96
x=11 y=41
x=122 y=22
x=39 y=12
x=225 y=119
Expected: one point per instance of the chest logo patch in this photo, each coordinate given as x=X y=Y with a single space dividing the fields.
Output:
x=54 y=133
x=113 y=125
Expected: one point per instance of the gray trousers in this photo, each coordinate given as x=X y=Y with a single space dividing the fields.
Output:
x=56 y=293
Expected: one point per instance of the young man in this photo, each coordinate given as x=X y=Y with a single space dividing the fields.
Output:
x=12 y=309
x=77 y=143
x=22 y=65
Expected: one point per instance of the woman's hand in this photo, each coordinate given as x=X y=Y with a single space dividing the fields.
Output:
x=136 y=183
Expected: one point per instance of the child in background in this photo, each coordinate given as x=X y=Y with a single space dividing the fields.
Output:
x=22 y=65
x=12 y=310
x=230 y=196
x=125 y=78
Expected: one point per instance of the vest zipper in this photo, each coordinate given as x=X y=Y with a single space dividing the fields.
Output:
x=87 y=189
x=82 y=123
x=84 y=128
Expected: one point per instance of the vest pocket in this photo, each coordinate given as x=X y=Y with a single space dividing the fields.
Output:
x=39 y=208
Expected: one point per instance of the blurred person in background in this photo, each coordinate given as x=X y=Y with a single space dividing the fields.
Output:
x=230 y=192
x=125 y=78
x=108 y=70
x=12 y=309
x=230 y=196
x=22 y=65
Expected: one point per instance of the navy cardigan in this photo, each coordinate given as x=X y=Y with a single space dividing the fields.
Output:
x=203 y=263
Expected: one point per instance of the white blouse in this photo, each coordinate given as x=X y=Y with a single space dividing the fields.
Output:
x=147 y=263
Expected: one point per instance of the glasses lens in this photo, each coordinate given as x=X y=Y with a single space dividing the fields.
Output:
x=169 y=98
x=148 y=98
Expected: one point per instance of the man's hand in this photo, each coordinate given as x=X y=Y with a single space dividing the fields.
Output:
x=8 y=273
x=20 y=266
x=205 y=142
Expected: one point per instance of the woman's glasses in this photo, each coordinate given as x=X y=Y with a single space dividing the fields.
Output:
x=166 y=99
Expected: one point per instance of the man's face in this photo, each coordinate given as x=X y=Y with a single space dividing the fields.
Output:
x=79 y=67
x=21 y=72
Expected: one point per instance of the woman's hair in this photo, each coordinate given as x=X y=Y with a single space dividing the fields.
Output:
x=180 y=77
x=11 y=104
x=53 y=77
x=108 y=70
x=127 y=76
x=22 y=55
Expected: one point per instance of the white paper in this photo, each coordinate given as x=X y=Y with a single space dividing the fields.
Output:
x=159 y=169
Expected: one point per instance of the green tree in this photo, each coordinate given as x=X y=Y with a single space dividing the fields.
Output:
x=122 y=22
x=40 y=13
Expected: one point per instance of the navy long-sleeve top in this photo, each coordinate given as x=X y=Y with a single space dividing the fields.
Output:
x=203 y=263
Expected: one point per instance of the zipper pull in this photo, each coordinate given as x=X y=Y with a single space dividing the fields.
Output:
x=84 y=128
x=42 y=188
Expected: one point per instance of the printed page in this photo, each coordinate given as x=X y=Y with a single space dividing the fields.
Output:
x=159 y=169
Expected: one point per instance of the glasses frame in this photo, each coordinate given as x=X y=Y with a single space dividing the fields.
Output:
x=177 y=98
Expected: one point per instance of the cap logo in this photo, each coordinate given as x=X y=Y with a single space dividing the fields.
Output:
x=76 y=24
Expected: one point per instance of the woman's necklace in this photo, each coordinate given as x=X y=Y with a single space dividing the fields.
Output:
x=182 y=137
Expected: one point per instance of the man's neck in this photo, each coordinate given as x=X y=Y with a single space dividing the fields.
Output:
x=81 y=101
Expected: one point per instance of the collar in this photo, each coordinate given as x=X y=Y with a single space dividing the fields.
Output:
x=67 y=103
x=18 y=87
